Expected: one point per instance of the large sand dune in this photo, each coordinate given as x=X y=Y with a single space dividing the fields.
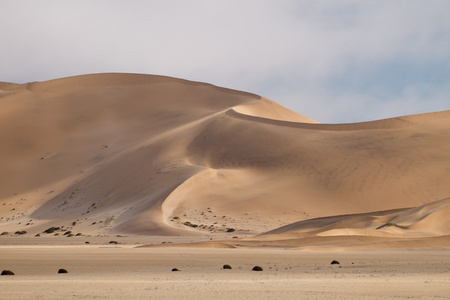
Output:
x=142 y=154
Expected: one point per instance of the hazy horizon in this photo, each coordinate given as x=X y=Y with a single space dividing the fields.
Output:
x=341 y=61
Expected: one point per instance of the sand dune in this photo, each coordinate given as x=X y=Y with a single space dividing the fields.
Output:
x=428 y=217
x=424 y=226
x=142 y=154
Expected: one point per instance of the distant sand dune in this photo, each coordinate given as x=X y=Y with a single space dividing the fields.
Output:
x=425 y=220
x=154 y=155
x=391 y=123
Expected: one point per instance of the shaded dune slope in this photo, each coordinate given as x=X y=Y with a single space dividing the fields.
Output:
x=126 y=153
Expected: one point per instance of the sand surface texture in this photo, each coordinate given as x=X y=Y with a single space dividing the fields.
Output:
x=121 y=177
x=142 y=273
x=140 y=154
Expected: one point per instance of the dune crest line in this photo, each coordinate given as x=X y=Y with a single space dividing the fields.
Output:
x=140 y=154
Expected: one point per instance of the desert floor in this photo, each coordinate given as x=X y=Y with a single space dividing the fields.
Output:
x=100 y=270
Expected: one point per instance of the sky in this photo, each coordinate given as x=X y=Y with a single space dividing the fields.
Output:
x=333 y=61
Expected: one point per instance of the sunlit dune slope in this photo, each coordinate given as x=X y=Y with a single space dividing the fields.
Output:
x=126 y=153
x=426 y=220
x=426 y=226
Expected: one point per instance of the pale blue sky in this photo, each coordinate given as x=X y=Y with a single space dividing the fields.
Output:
x=333 y=61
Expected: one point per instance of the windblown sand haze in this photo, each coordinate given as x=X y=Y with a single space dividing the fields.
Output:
x=144 y=154
x=120 y=178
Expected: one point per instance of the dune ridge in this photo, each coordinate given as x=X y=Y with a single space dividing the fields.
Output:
x=398 y=222
x=154 y=155
x=390 y=123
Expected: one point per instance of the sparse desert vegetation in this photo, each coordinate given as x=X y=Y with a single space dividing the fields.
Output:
x=52 y=229
x=207 y=175
x=257 y=268
x=388 y=224
x=7 y=272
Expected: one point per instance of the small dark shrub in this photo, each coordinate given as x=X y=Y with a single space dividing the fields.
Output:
x=227 y=267
x=113 y=242
x=20 y=232
x=4 y=233
x=175 y=270
x=67 y=232
x=7 y=272
x=51 y=229
x=257 y=268
x=335 y=262
x=187 y=223
x=176 y=218
x=87 y=242
x=62 y=271
x=388 y=224
x=231 y=230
